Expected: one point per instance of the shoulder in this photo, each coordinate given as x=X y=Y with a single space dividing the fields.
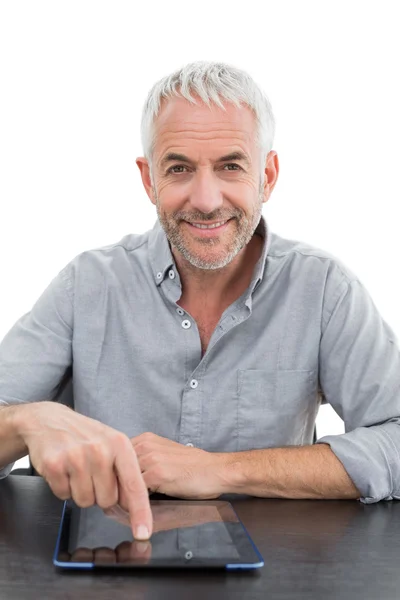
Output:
x=121 y=250
x=108 y=265
x=130 y=243
x=303 y=255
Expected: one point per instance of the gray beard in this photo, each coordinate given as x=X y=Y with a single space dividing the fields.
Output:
x=245 y=231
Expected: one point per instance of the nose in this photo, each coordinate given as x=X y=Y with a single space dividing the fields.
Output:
x=206 y=195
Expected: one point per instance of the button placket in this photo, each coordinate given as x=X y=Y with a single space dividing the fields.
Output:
x=191 y=397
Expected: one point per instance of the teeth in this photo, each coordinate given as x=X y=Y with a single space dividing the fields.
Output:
x=209 y=226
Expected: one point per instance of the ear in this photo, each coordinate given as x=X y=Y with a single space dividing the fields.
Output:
x=144 y=169
x=271 y=174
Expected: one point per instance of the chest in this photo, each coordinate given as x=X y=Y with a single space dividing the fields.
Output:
x=206 y=327
x=137 y=369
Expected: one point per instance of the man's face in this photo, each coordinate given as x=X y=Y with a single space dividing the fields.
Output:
x=216 y=179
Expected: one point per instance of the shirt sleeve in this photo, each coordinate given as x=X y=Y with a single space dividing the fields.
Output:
x=359 y=370
x=37 y=351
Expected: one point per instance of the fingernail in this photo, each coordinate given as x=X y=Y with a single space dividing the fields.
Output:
x=142 y=533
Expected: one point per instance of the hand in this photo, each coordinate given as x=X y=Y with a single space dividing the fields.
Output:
x=85 y=460
x=177 y=470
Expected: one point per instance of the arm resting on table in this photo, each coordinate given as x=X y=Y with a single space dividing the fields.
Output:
x=297 y=472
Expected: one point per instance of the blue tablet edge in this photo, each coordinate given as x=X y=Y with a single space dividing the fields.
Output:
x=233 y=566
x=59 y=563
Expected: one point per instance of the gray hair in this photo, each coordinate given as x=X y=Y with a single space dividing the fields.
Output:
x=211 y=81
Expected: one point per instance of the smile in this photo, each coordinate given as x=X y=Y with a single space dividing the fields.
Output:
x=209 y=230
x=213 y=226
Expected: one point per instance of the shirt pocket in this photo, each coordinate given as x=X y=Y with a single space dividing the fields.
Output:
x=274 y=407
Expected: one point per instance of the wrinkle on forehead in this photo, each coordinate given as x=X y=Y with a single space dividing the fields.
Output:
x=204 y=130
x=171 y=139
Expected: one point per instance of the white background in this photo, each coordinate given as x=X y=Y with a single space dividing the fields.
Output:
x=74 y=76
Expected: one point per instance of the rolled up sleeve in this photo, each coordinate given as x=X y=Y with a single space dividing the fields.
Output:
x=37 y=351
x=359 y=371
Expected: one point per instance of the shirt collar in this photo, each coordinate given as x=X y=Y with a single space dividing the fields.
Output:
x=259 y=269
x=161 y=258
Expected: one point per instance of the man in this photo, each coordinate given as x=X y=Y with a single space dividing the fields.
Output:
x=199 y=347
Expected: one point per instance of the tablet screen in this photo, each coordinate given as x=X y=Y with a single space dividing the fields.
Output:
x=186 y=533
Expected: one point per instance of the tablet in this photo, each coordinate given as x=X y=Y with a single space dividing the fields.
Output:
x=186 y=534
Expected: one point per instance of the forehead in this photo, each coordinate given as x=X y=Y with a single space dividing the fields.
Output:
x=180 y=121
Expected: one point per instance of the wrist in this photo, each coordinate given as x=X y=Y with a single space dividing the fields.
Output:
x=17 y=418
x=13 y=446
x=24 y=419
x=230 y=472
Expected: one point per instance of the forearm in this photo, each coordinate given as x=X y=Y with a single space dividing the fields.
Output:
x=297 y=472
x=12 y=446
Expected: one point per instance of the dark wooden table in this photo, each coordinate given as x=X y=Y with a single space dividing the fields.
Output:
x=321 y=549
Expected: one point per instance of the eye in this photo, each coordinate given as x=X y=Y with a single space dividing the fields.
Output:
x=170 y=170
x=232 y=165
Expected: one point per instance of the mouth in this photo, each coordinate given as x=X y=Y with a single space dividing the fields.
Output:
x=208 y=229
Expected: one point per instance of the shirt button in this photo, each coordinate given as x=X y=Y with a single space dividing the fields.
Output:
x=190 y=444
x=194 y=383
x=171 y=274
x=180 y=311
x=186 y=324
x=159 y=275
x=188 y=555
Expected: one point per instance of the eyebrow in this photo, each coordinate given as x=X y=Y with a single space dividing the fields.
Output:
x=239 y=156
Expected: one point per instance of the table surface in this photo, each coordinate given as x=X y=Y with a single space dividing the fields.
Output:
x=321 y=549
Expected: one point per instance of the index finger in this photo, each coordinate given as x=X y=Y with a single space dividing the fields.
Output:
x=134 y=491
